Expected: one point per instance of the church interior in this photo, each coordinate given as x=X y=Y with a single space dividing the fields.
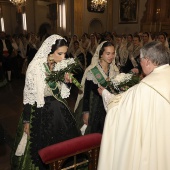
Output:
x=68 y=18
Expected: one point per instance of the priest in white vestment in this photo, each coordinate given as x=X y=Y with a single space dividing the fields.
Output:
x=136 y=134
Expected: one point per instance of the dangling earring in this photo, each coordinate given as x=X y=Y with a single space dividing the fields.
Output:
x=51 y=57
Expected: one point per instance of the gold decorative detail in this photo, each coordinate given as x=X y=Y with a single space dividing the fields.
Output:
x=107 y=79
x=90 y=160
x=98 y=5
x=51 y=57
x=90 y=153
x=18 y=4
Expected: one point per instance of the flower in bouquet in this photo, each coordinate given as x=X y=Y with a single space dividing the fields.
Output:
x=69 y=65
x=123 y=82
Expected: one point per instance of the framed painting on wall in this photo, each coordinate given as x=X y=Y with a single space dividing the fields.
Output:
x=128 y=11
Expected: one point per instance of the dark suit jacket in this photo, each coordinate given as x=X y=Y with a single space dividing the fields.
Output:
x=8 y=45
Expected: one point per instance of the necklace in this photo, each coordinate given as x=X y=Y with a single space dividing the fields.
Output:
x=107 y=74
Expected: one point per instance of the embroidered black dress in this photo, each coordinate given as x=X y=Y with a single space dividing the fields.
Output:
x=91 y=102
x=50 y=124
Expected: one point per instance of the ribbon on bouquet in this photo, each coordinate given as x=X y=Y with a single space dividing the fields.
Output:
x=53 y=83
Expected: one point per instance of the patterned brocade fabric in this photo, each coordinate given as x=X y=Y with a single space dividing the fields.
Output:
x=48 y=125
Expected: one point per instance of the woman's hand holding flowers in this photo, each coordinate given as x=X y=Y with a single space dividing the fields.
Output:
x=135 y=71
x=68 y=78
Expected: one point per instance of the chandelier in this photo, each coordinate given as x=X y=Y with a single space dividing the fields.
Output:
x=18 y=3
x=98 y=5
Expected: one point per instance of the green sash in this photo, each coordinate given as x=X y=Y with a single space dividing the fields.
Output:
x=98 y=75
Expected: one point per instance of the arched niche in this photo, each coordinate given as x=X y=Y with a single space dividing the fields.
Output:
x=95 y=26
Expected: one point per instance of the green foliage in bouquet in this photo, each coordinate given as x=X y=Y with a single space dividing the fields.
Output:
x=58 y=76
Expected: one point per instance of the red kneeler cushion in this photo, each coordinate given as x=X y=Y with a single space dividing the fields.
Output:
x=69 y=147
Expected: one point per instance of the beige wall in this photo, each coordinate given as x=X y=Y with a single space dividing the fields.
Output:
x=90 y=16
x=105 y=20
x=127 y=28
x=41 y=12
x=9 y=15
x=30 y=12
x=37 y=14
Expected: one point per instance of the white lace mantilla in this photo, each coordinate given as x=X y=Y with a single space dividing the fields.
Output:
x=91 y=77
x=64 y=90
x=35 y=76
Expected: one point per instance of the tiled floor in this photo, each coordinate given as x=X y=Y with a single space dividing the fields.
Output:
x=10 y=110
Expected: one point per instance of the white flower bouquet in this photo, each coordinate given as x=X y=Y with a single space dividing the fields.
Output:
x=70 y=66
x=64 y=64
x=123 y=82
